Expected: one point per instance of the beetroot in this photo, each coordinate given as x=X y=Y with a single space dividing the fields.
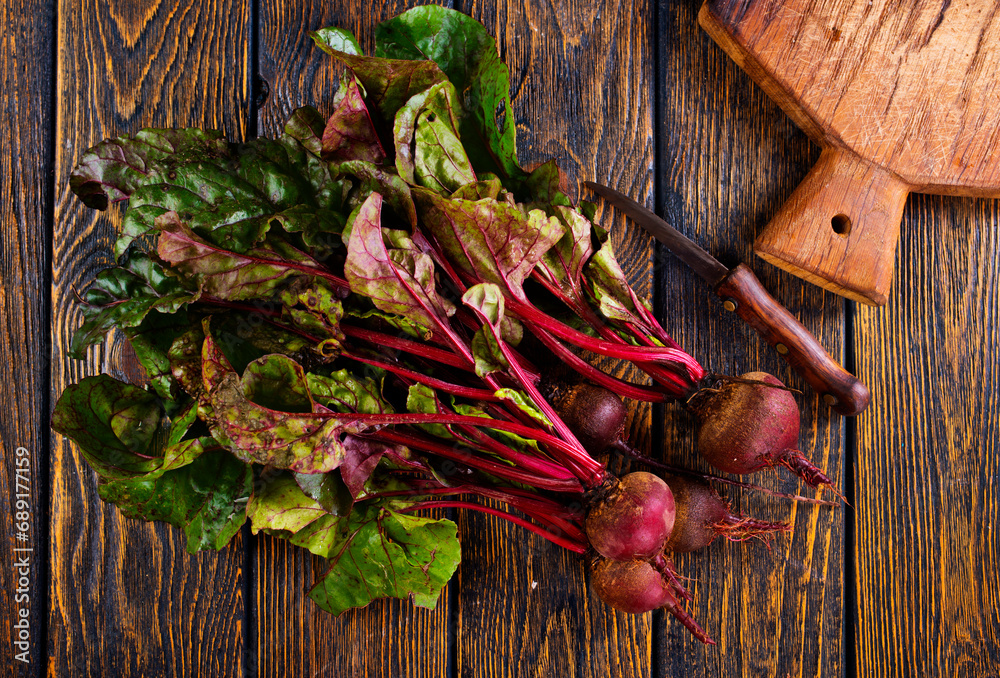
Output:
x=635 y=586
x=702 y=515
x=595 y=415
x=749 y=426
x=632 y=586
x=634 y=520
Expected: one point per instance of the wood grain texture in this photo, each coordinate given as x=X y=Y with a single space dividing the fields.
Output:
x=905 y=93
x=581 y=82
x=928 y=553
x=126 y=599
x=727 y=157
x=292 y=636
x=911 y=87
x=25 y=197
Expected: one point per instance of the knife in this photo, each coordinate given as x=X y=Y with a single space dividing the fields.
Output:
x=742 y=293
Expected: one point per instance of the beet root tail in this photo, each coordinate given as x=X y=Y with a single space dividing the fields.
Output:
x=803 y=468
x=666 y=568
x=736 y=528
x=809 y=472
x=693 y=626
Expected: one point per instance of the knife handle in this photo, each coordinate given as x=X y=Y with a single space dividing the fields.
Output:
x=742 y=293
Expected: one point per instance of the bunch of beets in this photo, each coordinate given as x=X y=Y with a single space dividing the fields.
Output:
x=358 y=321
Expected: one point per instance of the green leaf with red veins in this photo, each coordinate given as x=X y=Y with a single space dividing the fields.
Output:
x=374 y=179
x=280 y=505
x=235 y=347
x=488 y=186
x=122 y=429
x=306 y=125
x=374 y=552
x=614 y=296
x=488 y=302
x=525 y=404
x=429 y=152
x=349 y=133
x=277 y=382
x=388 y=83
x=405 y=124
x=227 y=193
x=185 y=361
x=320 y=228
x=423 y=399
x=343 y=391
x=315 y=307
x=563 y=264
x=122 y=297
x=151 y=340
x=180 y=424
x=301 y=442
x=488 y=240
x=214 y=366
x=204 y=499
x=383 y=320
x=303 y=141
x=468 y=55
x=245 y=337
x=547 y=185
x=304 y=443
x=112 y=170
x=237 y=222
x=337 y=40
x=487 y=354
x=397 y=281
x=327 y=489
x=116 y=425
x=146 y=467
x=440 y=160
x=378 y=553
x=227 y=275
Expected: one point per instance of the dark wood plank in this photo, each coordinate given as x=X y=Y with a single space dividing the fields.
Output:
x=929 y=451
x=294 y=637
x=581 y=79
x=26 y=47
x=727 y=160
x=126 y=599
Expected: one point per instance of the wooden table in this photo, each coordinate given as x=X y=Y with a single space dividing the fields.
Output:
x=633 y=94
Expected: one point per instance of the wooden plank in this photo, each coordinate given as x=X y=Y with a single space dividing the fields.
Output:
x=581 y=78
x=728 y=159
x=26 y=46
x=126 y=599
x=293 y=636
x=929 y=451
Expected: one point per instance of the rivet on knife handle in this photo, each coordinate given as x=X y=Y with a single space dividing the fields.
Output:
x=742 y=293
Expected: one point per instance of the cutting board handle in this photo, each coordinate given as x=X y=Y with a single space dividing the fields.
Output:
x=839 y=228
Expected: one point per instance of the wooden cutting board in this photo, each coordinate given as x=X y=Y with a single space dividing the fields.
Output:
x=902 y=96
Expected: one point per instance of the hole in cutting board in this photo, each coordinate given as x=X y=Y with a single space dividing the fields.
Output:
x=841 y=224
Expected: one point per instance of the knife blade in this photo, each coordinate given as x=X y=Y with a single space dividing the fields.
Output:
x=742 y=293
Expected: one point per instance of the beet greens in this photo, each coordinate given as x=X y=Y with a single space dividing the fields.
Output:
x=351 y=323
